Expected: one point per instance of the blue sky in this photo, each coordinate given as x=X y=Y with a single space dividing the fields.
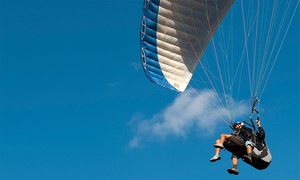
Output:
x=73 y=94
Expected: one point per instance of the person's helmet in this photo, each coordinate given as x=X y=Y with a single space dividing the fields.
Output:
x=237 y=122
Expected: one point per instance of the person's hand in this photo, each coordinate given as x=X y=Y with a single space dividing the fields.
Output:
x=257 y=123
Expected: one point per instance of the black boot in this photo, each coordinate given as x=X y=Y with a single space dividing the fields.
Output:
x=233 y=171
x=247 y=159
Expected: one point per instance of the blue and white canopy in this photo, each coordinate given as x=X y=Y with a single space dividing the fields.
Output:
x=174 y=35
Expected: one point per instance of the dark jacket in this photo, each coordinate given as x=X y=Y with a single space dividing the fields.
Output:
x=245 y=133
x=260 y=138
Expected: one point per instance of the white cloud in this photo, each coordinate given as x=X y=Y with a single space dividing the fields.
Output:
x=188 y=111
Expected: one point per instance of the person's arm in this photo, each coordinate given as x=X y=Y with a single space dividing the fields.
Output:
x=261 y=132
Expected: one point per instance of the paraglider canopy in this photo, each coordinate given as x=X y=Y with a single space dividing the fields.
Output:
x=174 y=35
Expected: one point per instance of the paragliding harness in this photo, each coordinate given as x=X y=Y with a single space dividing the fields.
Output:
x=235 y=144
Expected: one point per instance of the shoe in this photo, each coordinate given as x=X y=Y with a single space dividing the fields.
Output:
x=233 y=171
x=215 y=158
x=247 y=159
x=219 y=146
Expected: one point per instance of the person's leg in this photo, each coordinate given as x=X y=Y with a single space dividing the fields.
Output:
x=249 y=150
x=234 y=161
x=233 y=170
x=249 y=146
x=217 y=153
x=223 y=137
x=217 y=149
